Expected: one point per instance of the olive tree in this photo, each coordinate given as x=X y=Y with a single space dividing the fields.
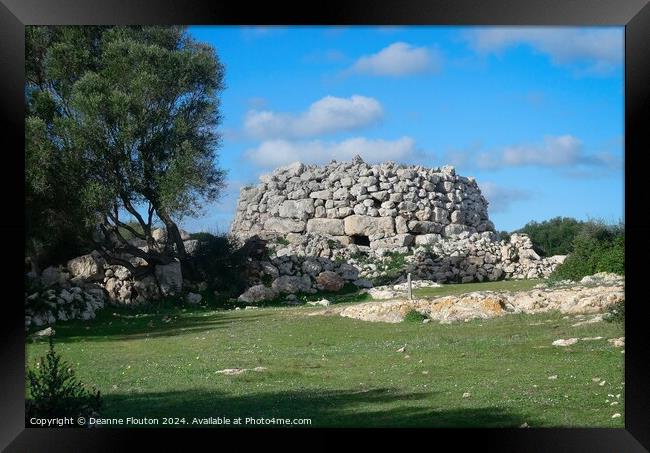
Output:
x=121 y=125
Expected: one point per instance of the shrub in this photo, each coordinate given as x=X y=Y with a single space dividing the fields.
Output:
x=55 y=391
x=615 y=312
x=220 y=263
x=554 y=236
x=414 y=316
x=597 y=248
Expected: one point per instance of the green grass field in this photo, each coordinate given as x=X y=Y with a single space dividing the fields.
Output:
x=344 y=372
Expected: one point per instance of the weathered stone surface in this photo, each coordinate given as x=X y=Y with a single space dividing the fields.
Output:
x=367 y=226
x=53 y=276
x=284 y=225
x=332 y=227
x=87 y=267
x=297 y=209
x=289 y=284
x=170 y=278
x=329 y=281
x=575 y=299
x=193 y=298
x=258 y=293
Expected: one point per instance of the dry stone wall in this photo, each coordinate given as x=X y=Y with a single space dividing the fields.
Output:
x=354 y=202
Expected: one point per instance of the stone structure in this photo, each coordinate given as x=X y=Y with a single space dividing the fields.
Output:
x=346 y=218
x=381 y=206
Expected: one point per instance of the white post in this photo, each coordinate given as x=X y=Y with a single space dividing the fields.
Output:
x=408 y=279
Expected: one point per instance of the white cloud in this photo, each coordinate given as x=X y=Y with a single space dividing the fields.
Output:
x=554 y=151
x=398 y=60
x=327 y=115
x=274 y=153
x=595 y=50
x=500 y=198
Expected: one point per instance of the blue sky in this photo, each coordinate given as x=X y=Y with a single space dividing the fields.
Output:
x=536 y=114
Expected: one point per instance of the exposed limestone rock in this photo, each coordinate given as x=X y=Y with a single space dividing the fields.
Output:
x=329 y=281
x=170 y=279
x=87 y=267
x=258 y=293
x=578 y=299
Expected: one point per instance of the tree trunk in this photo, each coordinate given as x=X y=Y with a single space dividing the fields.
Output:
x=173 y=235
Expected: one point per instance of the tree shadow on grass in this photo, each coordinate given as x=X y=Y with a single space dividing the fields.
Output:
x=383 y=407
x=120 y=327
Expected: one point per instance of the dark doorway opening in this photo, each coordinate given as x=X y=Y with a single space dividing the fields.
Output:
x=360 y=240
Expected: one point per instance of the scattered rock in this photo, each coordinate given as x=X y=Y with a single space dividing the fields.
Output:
x=568 y=342
x=322 y=302
x=257 y=293
x=49 y=332
x=193 y=298
x=617 y=342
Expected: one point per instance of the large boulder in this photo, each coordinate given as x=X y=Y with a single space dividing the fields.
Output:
x=277 y=225
x=367 y=226
x=290 y=284
x=329 y=281
x=332 y=227
x=257 y=293
x=53 y=276
x=170 y=278
x=146 y=289
x=87 y=267
x=424 y=227
x=159 y=234
x=297 y=209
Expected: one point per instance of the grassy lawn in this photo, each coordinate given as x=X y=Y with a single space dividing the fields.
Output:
x=344 y=372
x=503 y=285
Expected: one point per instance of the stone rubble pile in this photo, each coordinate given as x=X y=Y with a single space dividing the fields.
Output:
x=86 y=283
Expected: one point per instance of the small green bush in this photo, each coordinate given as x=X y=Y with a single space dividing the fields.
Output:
x=615 y=312
x=598 y=248
x=219 y=262
x=55 y=392
x=414 y=316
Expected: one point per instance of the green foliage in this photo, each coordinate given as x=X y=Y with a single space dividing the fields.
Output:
x=55 y=391
x=615 y=312
x=554 y=236
x=394 y=261
x=391 y=268
x=220 y=262
x=414 y=316
x=119 y=118
x=360 y=257
x=503 y=236
x=597 y=248
x=127 y=234
x=281 y=241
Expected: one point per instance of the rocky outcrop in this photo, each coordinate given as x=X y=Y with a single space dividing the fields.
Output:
x=571 y=299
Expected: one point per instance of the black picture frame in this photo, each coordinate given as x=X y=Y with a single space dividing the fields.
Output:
x=633 y=14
